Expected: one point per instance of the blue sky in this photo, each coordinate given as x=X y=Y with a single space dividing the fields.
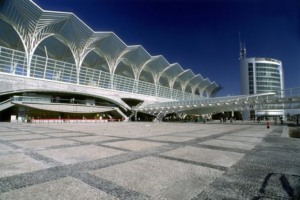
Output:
x=202 y=35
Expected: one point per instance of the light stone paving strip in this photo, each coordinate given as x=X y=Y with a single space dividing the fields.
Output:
x=196 y=134
x=35 y=144
x=202 y=164
x=18 y=164
x=66 y=134
x=92 y=138
x=230 y=144
x=109 y=187
x=111 y=147
x=166 y=168
x=241 y=139
x=22 y=137
x=66 y=188
x=219 y=148
x=250 y=134
x=171 y=138
x=45 y=132
x=8 y=133
x=73 y=155
x=162 y=179
x=214 y=157
x=134 y=145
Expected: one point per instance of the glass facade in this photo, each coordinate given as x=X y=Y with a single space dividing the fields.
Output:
x=267 y=77
x=261 y=76
x=251 y=78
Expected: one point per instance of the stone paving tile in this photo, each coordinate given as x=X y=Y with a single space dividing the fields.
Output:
x=93 y=138
x=135 y=145
x=196 y=134
x=46 y=131
x=4 y=148
x=22 y=137
x=8 y=133
x=22 y=129
x=40 y=144
x=249 y=134
x=241 y=139
x=215 y=131
x=68 y=134
x=135 y=130
x=270 y=171
x=202 y=164
x=109 y=187
x=78 y=154
x=172 y=170
x=160 y=178
x=66 y=188
x=215 y=157
x=171 y=138
x=229 y=144
x=17 y=164
x=254 y=131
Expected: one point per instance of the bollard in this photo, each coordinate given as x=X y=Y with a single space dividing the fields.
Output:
x=268 y=125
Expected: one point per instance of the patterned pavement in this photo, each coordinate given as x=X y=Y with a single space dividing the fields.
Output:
x=147 y=161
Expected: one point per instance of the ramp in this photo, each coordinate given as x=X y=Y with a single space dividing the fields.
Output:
x=6 y=104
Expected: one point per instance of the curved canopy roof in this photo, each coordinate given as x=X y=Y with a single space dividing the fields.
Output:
x=155 y=65
x=184 y=77
x=136 y=59
x=27 y=27
x=211 y=88
x=194 y=82
x=170 y=73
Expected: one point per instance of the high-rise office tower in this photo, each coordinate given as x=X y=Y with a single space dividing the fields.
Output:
x=260 y=75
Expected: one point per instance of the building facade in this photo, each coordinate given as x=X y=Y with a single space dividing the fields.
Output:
x=55 y=56
x=260 y=75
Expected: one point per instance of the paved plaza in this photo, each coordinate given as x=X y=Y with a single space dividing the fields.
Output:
x=147 y=161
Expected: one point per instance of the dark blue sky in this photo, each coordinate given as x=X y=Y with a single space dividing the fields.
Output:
x=202 y=35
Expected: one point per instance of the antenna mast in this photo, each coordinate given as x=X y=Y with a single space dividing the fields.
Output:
x=242 y=48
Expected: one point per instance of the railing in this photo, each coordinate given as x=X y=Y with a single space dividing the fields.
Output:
x=14 y=62
x=48 y=100
x=207 y=101
x=286 y=94
x=6 y=101
x=277 y=106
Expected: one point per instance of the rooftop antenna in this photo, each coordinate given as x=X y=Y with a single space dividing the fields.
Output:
x=240 y=41
x=242 y=48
